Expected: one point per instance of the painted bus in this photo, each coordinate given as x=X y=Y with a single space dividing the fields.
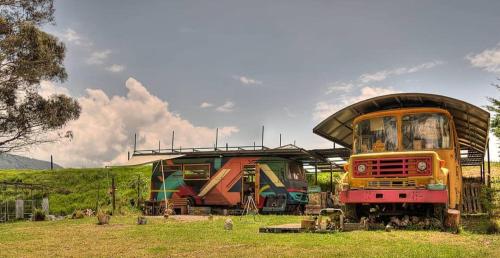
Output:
x=225 y=179
x=406 y=152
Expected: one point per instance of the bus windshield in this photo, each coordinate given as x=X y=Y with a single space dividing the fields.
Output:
x=376 y=135
x=425 y=132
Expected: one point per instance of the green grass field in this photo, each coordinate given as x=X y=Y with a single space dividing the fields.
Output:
x=77 y=189
x=73 y=189
x=169 y=238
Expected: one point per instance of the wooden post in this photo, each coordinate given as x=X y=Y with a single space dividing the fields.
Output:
x=489 y=169
x=113 y=196
x=51 y=163
x=315 y=172
x=452 y=219
x=138 y=190
x=164 y=186
x=97 y=201
x=173 y=137
x=280 y=140
x=331 y=177
x=216 y=138
x=262 y=138
x=135 y=142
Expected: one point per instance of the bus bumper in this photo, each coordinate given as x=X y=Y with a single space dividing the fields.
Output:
x=394 y=196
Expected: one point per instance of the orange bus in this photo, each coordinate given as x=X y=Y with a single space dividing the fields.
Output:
x=406 y=151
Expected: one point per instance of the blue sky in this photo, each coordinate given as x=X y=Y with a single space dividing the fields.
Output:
x=283 y=64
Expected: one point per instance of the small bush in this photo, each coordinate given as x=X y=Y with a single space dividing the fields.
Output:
x=77 y=214
x=103 y=218
x=493 y=227
x=38 y=215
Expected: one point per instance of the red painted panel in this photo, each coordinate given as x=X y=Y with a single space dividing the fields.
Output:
x=220 y=194
x=392 y=167
x=394 y=196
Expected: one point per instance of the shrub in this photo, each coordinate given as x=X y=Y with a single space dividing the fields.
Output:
x=493 y=227
x=102 y=218
x=38 y=215
x=77 y=214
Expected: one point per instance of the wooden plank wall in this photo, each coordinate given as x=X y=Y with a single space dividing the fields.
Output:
x=471 y=198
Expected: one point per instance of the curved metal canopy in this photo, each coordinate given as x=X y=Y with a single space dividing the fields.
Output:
x=472 y=122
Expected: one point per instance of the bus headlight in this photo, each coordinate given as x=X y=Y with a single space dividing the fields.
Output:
x=421 y=166
x=361 y=168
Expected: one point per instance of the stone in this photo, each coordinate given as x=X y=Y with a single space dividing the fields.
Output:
x=228 y=224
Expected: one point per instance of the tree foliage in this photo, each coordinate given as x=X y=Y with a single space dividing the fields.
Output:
x=28 y=56
x=494 y=107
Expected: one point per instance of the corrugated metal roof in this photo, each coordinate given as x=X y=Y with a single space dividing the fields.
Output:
x=472 y=122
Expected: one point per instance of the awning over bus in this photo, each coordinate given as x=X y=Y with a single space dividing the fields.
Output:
x=472 y=122
x=145 y=159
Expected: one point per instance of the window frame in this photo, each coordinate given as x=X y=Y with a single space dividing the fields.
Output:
x=398 y=131
x=451 y=130
x=196 y=164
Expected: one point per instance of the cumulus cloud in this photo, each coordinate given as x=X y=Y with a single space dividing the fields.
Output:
x=228 y=106
x=247 y=80
x=206 y=105
x=324 y=109
x=488 y=60
x=98 y=57
x=384 y=74
x=102 y=135
x=115 y=68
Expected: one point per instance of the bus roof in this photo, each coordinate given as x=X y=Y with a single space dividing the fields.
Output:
x=472 y=122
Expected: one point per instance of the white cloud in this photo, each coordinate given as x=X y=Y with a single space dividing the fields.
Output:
x=48 y=88
x=73 y=37
x=115 y=68
x=384 y=74
x=488 y=60
x=247 y=80
x=324 y=109
x=206 y=105
x=340 y=87
x=98 y=57
x=103 y=133
x=226 y=107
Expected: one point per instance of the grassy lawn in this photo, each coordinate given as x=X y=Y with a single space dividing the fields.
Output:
x=77 y=188
x=163 y=238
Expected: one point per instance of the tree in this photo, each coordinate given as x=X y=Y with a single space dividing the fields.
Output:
x=495 y=108
x=28 y=56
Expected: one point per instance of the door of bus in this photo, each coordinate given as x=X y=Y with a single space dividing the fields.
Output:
x=249 y=182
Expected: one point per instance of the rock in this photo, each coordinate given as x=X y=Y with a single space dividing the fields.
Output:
x=405 y=221
x=427 y=222
x=141 y=220
x=395 y=221
x=436 y=223
x=88 y=212
x=389 y=227
x=228 y=224
x=51 y=217
x=414 y=219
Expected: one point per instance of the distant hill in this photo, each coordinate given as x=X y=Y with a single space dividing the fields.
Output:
x=11 y=161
